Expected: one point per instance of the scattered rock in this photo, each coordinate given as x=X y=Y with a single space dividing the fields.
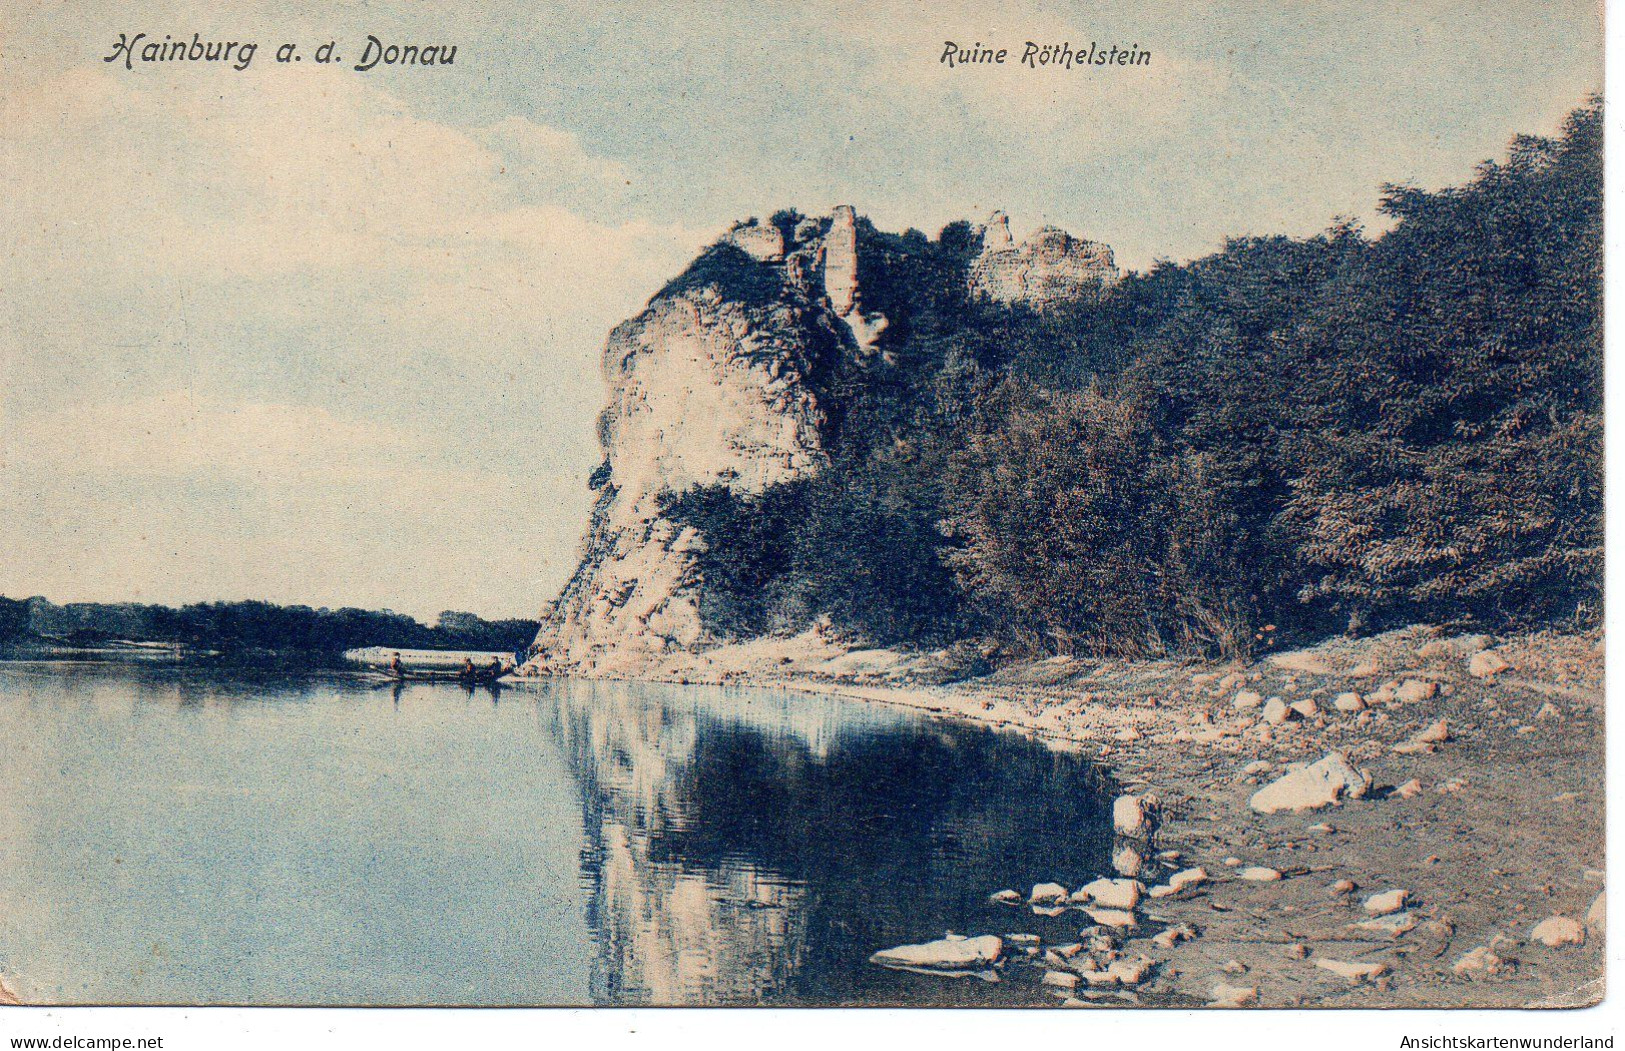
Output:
x=1128 y=860
x=1259 y=874
x=1436 y=733
x=1389 y=926
x=1234 y=995
x=1365 y=670
x=1557 y=931
x=1482 y=960
x=1258 y=766
x=944 y=954
x=1320 y=784
x=1131 y=972
x=1487 y=664
x=1111 y=893
x=1047 y=894
x=1342 y=887
x=1597 y=915
x=1297 y=951
x=1389 y=901
x=1307 y=708
x=1179 y=882
x=1409 y=790
x=1234 y=967
x=1117 y=918
x=1172 y=936
x=1247 y=700
x=1101 y=940
x=1277 y=712
x=1134 y=816
x=1412 y=691
x=1352 y=703
x=1426 y=739
x=1549 y=711
x=1362 y=971
x=1005 y=897
x=1321 y=828
x=1061 y=979
x=1435 y=937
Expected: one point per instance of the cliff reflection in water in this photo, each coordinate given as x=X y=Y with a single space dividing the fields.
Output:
x=749 y=847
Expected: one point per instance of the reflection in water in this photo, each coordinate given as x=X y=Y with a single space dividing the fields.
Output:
x=185 y=835
x=748 y=847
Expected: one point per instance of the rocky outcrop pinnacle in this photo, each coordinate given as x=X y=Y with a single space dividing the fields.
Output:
x=1048 y=268
x=712 y=384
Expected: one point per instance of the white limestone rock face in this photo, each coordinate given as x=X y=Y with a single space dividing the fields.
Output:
x=761 y=241
x=1047 y=269
x=841 y=279
x=712 y=385
x=704 y=389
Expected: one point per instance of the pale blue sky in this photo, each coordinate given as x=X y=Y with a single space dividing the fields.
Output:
x=332 y=337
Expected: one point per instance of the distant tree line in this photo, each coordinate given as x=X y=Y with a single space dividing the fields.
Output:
x=1286 y=439
x=254 y=627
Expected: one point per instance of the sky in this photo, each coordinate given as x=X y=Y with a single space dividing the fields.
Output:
x=308 y=334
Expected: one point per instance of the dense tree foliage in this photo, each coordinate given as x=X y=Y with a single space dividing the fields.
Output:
x=253 y=627
x=1287 y=438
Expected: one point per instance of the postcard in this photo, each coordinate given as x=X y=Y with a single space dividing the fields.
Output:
x=978 y=505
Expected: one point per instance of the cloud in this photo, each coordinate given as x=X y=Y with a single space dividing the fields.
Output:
x=271 y=309
x=178 y=435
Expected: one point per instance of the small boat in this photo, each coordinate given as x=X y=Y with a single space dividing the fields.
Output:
x=478 y=677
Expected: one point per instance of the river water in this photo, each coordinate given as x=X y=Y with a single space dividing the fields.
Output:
x=173 y=834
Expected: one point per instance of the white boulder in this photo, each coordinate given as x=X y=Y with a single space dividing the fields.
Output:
x=1362 y=971
x=1557 y=931
x=944 y=954
x=1061 y=979
x=1112 y=893
x=1277 y=711
x=1481 y=960
x=1134 y=816
x=1118 y=919
x=1234 y=996
x=1323 y=783
x=1413 y=690
x=1389 y=901
x=1046 y=894
x=1247 y=700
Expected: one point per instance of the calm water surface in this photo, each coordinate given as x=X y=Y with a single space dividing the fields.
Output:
x=177 y=835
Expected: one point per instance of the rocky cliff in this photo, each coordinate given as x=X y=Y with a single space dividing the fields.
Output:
x=1048 y=268
x=716 y=383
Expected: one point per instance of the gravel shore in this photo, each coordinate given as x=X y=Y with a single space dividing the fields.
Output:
x=1476 y=789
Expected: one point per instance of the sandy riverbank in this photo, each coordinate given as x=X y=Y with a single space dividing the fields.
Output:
x=1490 y=830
